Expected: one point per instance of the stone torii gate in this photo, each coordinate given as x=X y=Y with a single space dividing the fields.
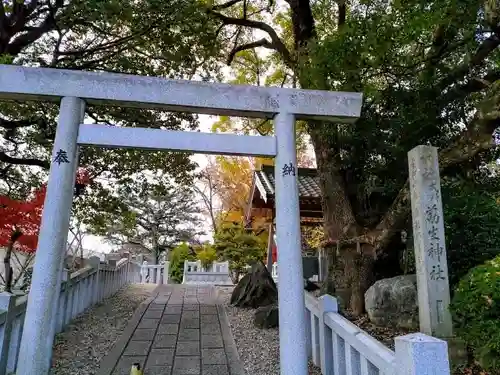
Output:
x=73 y=89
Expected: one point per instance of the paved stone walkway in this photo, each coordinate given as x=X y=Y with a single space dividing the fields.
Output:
x=181 y=330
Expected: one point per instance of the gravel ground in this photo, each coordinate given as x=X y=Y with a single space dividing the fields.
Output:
x=258 y=348
x=79 y=349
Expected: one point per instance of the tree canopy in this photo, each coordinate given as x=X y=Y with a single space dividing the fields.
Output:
x=429 y=75
x=173 y=39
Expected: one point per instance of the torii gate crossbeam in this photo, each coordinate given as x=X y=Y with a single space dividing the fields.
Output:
x=75 y=89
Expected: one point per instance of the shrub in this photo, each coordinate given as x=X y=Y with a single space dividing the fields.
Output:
x=177 y=257
x=472 y=226
x=476 y=313
x=206 y=256
x=240 y=247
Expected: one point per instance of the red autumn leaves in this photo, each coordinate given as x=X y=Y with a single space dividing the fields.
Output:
x=20 y=220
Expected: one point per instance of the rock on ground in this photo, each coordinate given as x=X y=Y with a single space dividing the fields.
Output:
x=255 y=289
x=267 y=317
x=258 y=348
x=393 y=302
x=87 y=339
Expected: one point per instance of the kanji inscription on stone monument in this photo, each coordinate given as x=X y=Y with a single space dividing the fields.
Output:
x=429 y=242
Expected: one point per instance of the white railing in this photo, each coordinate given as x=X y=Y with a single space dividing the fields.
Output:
x=79 y=291
x=338 y=346
x=151 y=273
x=216 y=274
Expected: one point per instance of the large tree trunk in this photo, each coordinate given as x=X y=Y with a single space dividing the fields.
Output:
x=350 y=268
x=358 y=271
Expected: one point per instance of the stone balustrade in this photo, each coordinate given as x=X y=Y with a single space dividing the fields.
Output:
x=338 y=346
x=79 y=291
x=216 y=274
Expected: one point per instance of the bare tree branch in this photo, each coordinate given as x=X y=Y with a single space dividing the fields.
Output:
x=28 y=38
x=21 y=161
x=259 y=43
x=477 y=59
x=103 y=46
x=32 y=34
x=276 y=43
x=208 y=196
x=473 y=85
x=14 y=124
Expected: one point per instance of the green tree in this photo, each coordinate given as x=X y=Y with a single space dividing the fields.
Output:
x=177 y=256
x=240 y=247
x=429 y=74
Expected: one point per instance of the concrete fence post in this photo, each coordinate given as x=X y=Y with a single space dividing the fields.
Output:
x=185 y=271
x=88 y=289
x=129 y=258
x=7 y=303
x=71 y=299
x=112 y=273
x=114 y=284
x=419 y=354
x=81 y=295
x=76 y=298
x=106 y=282
x=143 y=273
x=15 y=342
x=308 y=332
x=63 y=305
x=68 y=291
x=111 y=281
x=120 y=276
x=166 y=270
x=327 y=304
x=101 y=283
x=95 y=263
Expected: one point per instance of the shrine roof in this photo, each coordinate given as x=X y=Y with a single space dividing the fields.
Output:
x=263 y=193
x=307 y=180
